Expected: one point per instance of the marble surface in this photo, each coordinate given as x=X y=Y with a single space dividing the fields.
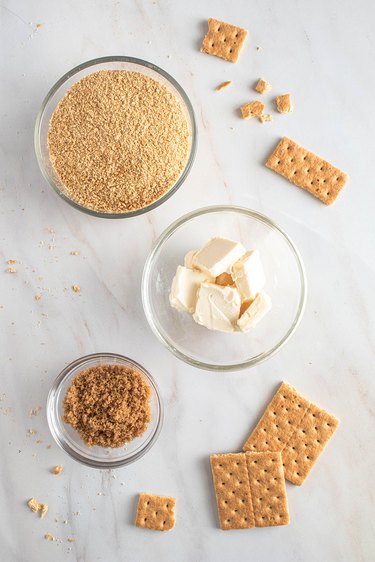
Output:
x=323 y=53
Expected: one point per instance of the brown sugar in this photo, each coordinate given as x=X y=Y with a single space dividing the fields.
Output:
x=108 y=405
x=118 y=141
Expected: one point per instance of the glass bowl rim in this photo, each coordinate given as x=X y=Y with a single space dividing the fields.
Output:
x=51 y=409
x=167 y=233
x=103 y=60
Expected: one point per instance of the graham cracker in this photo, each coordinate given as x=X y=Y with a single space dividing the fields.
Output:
x=307 y=170
x=223 y=85
x=284 y=103
x=155 y=512
x=223 y=40
x=263 y=86
x=250 y=490
x=253 y=109
x=296 y=428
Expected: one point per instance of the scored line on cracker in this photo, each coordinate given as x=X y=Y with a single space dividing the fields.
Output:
x=250 y=490
x=223 y=40
x=307 y=170
x=295 y=427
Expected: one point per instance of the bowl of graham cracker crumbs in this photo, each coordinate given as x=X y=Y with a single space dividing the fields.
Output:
x=105 y=410
x=115 y=137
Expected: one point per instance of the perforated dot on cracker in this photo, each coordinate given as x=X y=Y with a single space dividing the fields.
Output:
x=296 y=428
x=307 y=170
x=155 y=512
x=223 y=40
x=250 y=490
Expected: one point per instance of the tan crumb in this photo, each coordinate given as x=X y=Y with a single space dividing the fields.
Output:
x=284 y=103
x=136 y=141
x=39 y=441
x=49 y=537
x=108 y=405
x=38 y=297
x=32 y=431
x=264 y=118
x=49 y=446
x=43 y=510
x=33 y=504
x=263 y=86
x=57 y=469
x=11 y=270
x=71 y=539
x=39 y=25
x=74 y=253
x=76 y=288
x=223 y=85
x=11 y=262
x=35 y=411
x=253 y=109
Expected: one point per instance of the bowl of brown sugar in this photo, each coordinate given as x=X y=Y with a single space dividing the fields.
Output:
x=115 y=137
x=105 y=410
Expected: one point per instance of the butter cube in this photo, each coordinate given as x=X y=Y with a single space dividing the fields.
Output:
x=217 y=307
x=255 y=312
x=188 y=260
x=185 y=285
x=217 y=256
x=248 y=275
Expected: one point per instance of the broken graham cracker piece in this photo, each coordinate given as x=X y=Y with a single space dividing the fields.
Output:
x=223 y=40
x=284 y=103
x=223 y=85
x=307 y=170
x=155 y=512
x=265 y=117
x=263 y=86
x=296 y=428
x=250 y=490
x=253 y=109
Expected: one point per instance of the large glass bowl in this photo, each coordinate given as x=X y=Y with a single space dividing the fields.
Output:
x=58 y=91
x=68 y=438
x=285 y=283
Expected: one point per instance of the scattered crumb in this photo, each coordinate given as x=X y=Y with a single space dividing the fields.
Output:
x=57 y=469
x=76 y=288
x=265 y=117
x=10 y=262
x=39 y=25
x=74 y=253
x=49 y=446
x=284 y=103
x=39 y=441
x=259 y=48
x=35 y=411
x=43 y=510
x=263 y=86
x=11 y=270
x=33 y=505
x=253 y=109
x=38 y=297
x=32 y=431
x=70 y=539
x=223 y=85
x=65 y=522
x=49 y=537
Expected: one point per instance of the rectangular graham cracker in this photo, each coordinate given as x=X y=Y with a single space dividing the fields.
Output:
x=307 y=170
x=296 y=428
x=250 y=490
x=155 y=512
x=223 y=40
x=253 y=109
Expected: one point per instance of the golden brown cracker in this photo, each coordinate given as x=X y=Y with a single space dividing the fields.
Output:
x=267 y=485
x=284 y=103
x=307 y=170
x=287 y=426
x=253 y=109
x=155 y=512
x=231 y=482
x=223 y=40
x=263 y=86
x=223 y=85
x=250 y=490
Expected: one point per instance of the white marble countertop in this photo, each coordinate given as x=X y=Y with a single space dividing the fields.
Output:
x=323 y=53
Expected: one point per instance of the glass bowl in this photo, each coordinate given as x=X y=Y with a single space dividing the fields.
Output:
x=68 y=438
x=58 y=91
x=285 y=283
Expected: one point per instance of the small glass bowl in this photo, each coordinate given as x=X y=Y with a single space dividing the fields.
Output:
x=285 y=283
x=70 y=441
x=58 y=91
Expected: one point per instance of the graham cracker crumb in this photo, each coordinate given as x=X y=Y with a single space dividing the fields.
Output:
x=223 y=85
x=33 y=505
x=49 y=537
x=253 y=109
x=57 y=469
x=108 y=405
x=284 y=103
x=38 y=297
x=11 y=262
x=265 y=117
x=43 y=510
x=35 y=411
x=76 y=288
x=71 y=539
x=263 y=86
x=136 y=141
x=74 y=253
x=11 y=270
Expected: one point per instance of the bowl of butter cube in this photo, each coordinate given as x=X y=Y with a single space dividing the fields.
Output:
x=224 y=288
